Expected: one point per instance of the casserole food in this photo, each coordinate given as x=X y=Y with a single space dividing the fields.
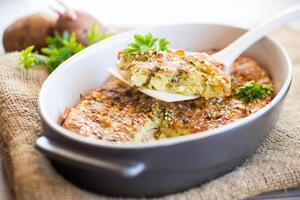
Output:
x=176 y=71
x=117 y=112
x=163 y=166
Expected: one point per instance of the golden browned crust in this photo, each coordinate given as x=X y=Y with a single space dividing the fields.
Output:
x=114 y=112
x=246 y=69
x=117 y=112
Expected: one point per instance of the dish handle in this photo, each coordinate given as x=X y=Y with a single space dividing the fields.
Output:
x=55 y=151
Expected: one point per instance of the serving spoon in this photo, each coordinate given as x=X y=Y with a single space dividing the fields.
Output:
x=227 y=55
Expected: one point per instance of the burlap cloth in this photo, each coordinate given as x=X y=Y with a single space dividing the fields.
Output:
x=275 y=165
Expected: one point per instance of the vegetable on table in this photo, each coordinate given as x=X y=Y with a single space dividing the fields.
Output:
x=47 y=40
x=27 y=31
x=80 y=23
x=60 y=48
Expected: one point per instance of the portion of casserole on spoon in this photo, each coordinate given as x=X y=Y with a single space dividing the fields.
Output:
x=121 y=112
x=149 y=63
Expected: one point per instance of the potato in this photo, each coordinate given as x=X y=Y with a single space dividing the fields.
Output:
x=29 y=30
x=78 y=22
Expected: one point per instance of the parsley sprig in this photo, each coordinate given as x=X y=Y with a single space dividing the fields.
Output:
x=95 y=34
x=59 y=48
x=29 y=58
x=146 y=43
x=252 y=91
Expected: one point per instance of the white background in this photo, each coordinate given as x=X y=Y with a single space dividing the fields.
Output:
x=139 y=12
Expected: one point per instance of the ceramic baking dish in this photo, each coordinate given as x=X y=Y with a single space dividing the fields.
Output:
x=160 y=167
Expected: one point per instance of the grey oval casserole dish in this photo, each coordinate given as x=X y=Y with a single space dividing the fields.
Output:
x=165 y=166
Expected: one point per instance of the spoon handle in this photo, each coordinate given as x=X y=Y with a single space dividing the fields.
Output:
x=235 y=49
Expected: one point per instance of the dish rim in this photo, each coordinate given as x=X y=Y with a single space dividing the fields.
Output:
x=165 y=142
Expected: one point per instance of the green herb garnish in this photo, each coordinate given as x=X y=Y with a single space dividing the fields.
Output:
x=95 y=34
x=146 y=43
x=252 y=91
x=163 y=44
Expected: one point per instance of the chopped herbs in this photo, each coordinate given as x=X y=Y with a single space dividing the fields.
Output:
x=28 y=58
x=252 y=91
x=95 y=35
x=146 y=43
